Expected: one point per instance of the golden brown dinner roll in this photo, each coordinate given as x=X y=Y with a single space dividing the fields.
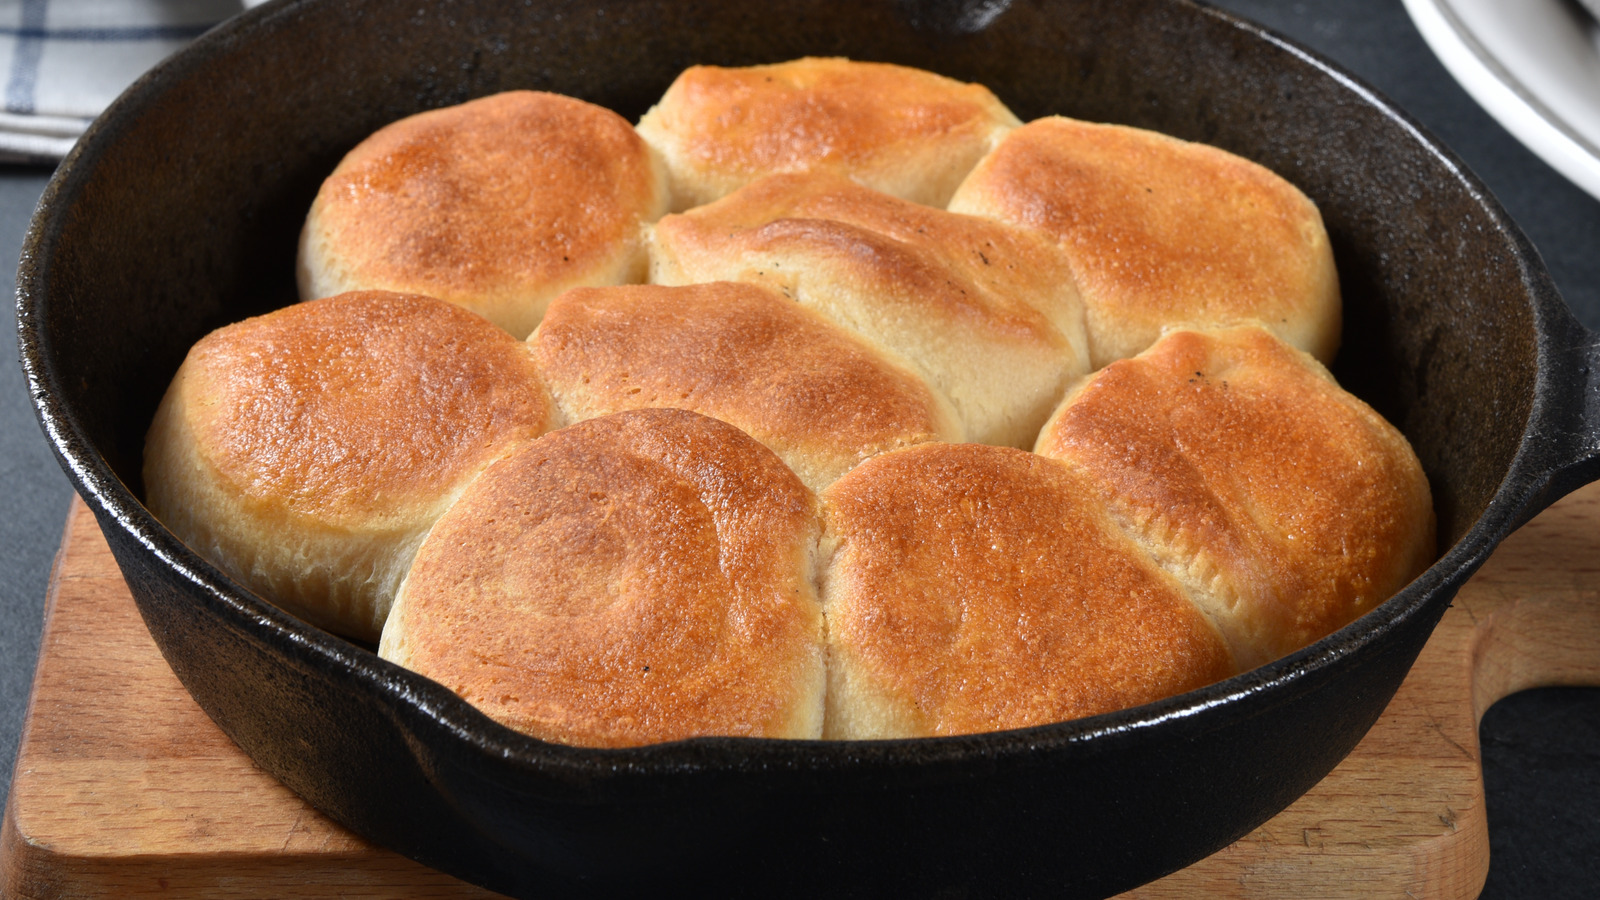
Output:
x=640 y=577
x=1164 y=232
x=818 y=396
x=306 y=452
x=986 y=312
x=975 y=588
x=497 y=205
x=903 y=131
x=1286 y=505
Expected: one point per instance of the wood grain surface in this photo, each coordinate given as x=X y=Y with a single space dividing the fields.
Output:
x=123 y=787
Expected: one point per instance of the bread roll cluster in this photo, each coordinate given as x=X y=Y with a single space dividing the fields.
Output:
x=909 y=419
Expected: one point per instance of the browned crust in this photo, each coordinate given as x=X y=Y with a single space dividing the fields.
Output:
x=821 y=398
x=307 y=451
x=356 y=408
x=976 y=588
x=636 y=578
x=496 y=204
x=987 y=311
x=1288 y=503
x=902 y=130
x=1162 y=231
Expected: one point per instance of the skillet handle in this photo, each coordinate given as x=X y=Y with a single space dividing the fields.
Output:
x=1565 y=451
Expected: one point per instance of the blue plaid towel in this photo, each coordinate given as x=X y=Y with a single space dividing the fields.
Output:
x=63 y=61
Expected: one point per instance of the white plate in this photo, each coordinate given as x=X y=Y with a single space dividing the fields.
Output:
x=1534 y=65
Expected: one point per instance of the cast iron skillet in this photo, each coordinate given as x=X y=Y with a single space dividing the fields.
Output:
x=178 y=212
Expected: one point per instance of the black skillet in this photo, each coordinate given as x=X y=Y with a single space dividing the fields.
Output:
x=179 y=211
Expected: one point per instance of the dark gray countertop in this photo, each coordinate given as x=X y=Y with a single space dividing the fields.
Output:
x=1541 y=748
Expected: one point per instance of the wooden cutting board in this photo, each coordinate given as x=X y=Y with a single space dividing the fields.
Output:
x=123 y=787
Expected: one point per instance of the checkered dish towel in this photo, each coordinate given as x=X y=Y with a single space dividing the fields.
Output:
x=63 y=61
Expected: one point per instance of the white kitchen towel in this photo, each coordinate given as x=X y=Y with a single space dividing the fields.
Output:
x=63 y=61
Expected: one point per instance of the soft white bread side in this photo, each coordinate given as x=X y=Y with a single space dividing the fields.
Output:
x=815 y=394
x=986 y=312
x=497 y=205
x=902 y=131
x=306 y=452
x=1164 y=232
x=1286 y=505
x=641 y=577
x=972 y=588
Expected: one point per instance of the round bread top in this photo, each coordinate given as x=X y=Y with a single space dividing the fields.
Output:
x=818 y=396
x=497 y=204
x=904 y=131
x=987 y=311
x=975 y=588
x=357 y=411
x=1290 y=505
x=635 y=578
x=1164 y=232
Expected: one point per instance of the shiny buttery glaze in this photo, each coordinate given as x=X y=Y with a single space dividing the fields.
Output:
x=497 y=204
x=310 y=448
x=355 y=409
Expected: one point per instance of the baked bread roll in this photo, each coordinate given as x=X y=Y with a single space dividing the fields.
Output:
x=1164 y=232
x=975 y=588
x=815 y=394
x=1287 y=506
x=306 y=452
x=986 y=312
x=497 y=205
x=902 y=131
x=635 y=578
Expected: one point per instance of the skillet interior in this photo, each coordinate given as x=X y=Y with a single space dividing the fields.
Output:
x=179 y=212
